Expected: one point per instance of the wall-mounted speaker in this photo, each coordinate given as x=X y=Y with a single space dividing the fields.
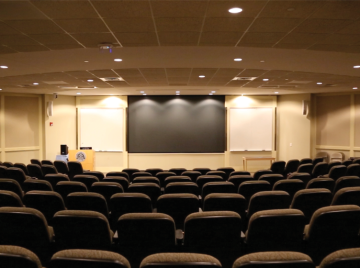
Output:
x=305 y=107
x=50 y=108
x=64 y=149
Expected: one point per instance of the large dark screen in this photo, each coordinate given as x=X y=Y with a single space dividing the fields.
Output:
x=181 y=124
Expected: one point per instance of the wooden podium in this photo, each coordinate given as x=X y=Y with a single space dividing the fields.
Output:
x=85 y=157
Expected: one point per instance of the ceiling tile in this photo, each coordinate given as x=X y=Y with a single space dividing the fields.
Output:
x=103 y=73
x=94 y=39
x=153 y=72
x=80 y=74
x=128 y=25
x=178 y=72
x=173 y=80
x=178 y=24
x=178 y=38
x=128 y=72
x=353 y=28
x=83 y=25
x=290 y=9
x=5 y=29
x=32 y=48
x=338 y=10
x=331 y=47
x=118 y=84
x=123 y=9
x=130 y=39
x=64 y=46
x=227 y=72
x=208 y=72
x=321 y=26
x=178 y=8
x=341 y=39
x=35 y=26
x=4 y=50
x=275 y=25
x=14 y=10
x=292 y=46
x=66 y=9
x=252 y=73
x=220 y=8
x=53 y=39
x=302 y=38
x=236 y=83
x=276 y=73
x=222 y=38
x=227 y=24
x=261 y=38
x=17 y=40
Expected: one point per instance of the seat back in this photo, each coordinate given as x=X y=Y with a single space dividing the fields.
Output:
x=271 y=178
x=239 y=172
x=47 y=162
x=347 y=196
x=305 y=168
x=123 y=181
x=333 y=164
x=326 y=183
x=88 y=180
x=317 y=160
x=178 y=206
x=249 y=188
x=97 y=174
x=201 y=180
x=36 y=185
x=55 y=178
x=349 y=258
x=324 y=155
x=163 y=175
x=81 y=229
x=23 y=167
x=87 y=201
x=177 y=171
x=193 y=175
x=10 y=199
x=35 y=171
x=275 y=230
x=310 y=200
x=140 y=174
x=278 y=167
x=75 y=168
x=66 y=187
x=146 y=179
x=3 y=173
x=259 y=173
x=347 y=162
x=11 y=185
x=130 y=171
x=176 y=179
x=320 y=169
x=150 y=189
x=8 y=164
x=338 y=156
x=47 y=202
x=305 y=161
x=346 y=181
x=61 y=167
x=16 y=174
x=182 y=188
x=217 y=187
x=225 y=202
x=291 y=166
x=74 y=258
x=337 y=171
x=203 y=171
x=118 y=174
x=289 y=186
x=35 y=161
x=218 y=173
x=238 y=179
x=352 y=170
x=106 y=189
x=19 y=257
x=305 y=177
x=154 y=171
x=227 y=170
x=268 y=200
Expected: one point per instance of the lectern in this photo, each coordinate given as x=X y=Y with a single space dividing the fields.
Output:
x=85 y=157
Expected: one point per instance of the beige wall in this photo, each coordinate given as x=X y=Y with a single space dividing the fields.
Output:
x=294 y=135
x=63 y=130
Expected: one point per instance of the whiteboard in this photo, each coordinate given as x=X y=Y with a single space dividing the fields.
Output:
x=102 y=129
x=251 y=129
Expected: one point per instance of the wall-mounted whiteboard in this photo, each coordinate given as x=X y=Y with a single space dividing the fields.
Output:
x=251 y=129
x=102 y=129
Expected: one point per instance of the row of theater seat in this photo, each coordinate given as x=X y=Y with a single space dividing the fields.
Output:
x=215 y=233
x=12 y=256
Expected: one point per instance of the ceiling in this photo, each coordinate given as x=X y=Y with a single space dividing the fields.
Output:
x=285 y=46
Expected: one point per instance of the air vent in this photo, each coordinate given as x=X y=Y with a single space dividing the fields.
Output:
x=112 y=79
x=237 y=78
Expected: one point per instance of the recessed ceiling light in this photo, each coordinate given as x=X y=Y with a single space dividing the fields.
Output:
x=177 y=91
x=86 y=61
x=262 y=61
x=142 y=92
x=265 y=79
x=90 y=80
x=276 y=92
x=213 y=91
x=210 y=93
x=0 y=88
x=319 y=83
x=3 y=67
x=357 y=66
x=237 y=59
x=201 y=76
x=355 y=88
x=235 y=10
x=78 y=93
x=35 y=84
x=117 y=60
